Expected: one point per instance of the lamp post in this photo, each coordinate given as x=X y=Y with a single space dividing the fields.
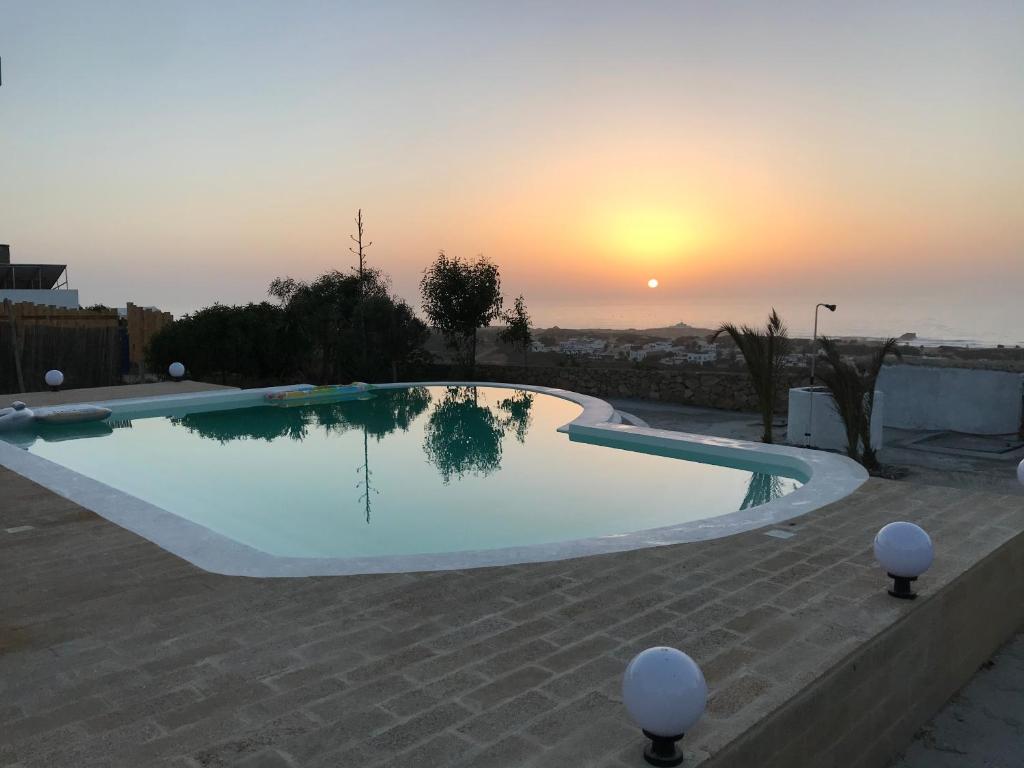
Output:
x=814 y=341
x=814 y=358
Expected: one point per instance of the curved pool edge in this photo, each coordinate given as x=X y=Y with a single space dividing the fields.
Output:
x=830 y=477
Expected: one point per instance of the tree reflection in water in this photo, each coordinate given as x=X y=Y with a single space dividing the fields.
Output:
x=464 y=436
x=377 y=416
x=517 y=413
x=762 y=488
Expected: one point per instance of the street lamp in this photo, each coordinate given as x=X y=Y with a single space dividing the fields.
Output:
x=814 y=357
x=814 y=341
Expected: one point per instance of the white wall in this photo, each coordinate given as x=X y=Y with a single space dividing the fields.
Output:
x=826 y=429
x=958 y=399
x=66 y=298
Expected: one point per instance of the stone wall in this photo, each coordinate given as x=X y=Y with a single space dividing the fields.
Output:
x=711 y=389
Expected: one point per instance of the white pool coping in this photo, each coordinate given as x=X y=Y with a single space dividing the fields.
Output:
x=829 y=477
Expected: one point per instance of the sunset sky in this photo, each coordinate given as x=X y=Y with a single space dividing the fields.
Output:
x=743 y=154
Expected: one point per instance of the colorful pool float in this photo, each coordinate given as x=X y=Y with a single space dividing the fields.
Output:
x=353 y=391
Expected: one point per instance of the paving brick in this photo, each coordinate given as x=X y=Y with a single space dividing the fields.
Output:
x=515 y=713
x=508 y=686
x=403 y=735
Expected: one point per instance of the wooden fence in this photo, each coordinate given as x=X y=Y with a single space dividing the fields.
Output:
x=89 y=357
x=92 y=348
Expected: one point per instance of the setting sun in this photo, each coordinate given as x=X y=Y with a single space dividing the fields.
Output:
x=652 y=283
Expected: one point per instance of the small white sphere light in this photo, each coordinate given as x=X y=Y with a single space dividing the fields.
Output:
x=54 y=379
x=665 y=693
x=905 y=551
x=177 y=371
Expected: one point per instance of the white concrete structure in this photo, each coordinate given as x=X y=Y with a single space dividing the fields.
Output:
x=814 y=422
x=959 y=399
x=65 y=298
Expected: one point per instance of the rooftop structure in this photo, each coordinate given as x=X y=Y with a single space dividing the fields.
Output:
x=35 y=283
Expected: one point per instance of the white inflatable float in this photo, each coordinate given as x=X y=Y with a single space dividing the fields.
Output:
x=20 y=416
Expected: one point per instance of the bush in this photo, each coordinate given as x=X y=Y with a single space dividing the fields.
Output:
x=249 y=341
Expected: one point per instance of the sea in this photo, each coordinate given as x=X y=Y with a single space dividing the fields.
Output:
x=935 y=325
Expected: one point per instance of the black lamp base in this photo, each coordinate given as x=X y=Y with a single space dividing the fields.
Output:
x=663 y=750
x=901 y=587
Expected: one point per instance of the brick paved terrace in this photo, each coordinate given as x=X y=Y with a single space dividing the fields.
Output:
x=115 y=652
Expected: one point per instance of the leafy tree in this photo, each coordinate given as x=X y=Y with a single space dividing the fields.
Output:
x=459 y=297
x=762 y=351
x=395 y=334
x=320 y=318
x=348 y=326
x=517 y=327
x=249 y=341
x=853 y=394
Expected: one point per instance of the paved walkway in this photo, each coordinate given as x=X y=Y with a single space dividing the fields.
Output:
x=100 y=394
x=114 y=652
x=983 y=725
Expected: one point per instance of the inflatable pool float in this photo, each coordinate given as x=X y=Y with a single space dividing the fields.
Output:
x=18 y=416
x=73 y=414
x=355 y=391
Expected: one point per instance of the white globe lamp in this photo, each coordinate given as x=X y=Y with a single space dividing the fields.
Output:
x=905 y=551
x=177 y=371
x=54 y=379
x=665 y=693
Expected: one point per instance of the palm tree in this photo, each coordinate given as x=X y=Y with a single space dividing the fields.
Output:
x=889 y=347
x=762 y=351
x=853 y=393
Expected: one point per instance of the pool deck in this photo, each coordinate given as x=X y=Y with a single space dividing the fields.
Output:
x=115 y=652
x=102 y=394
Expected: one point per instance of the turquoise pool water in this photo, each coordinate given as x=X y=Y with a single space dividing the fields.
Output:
x=407 y=471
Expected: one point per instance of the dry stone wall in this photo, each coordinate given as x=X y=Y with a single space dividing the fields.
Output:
x=711 y=389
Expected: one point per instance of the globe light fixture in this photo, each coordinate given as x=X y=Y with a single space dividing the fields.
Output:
x=665 y=693
x=54 y=379
x=177 y=371
x=905 y=551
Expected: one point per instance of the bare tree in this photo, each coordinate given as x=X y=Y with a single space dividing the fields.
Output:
x=360 y=252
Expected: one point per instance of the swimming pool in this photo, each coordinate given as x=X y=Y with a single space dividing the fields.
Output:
x=411 y=477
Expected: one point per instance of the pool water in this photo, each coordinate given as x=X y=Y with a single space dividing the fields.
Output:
x=405 y=471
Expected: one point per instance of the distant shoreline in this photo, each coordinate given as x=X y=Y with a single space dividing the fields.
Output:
x=926 y=342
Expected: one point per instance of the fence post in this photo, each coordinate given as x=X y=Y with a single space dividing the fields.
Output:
x=15 y=343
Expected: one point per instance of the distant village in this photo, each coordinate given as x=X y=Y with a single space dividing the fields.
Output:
x=689 y=347
x=693 y=350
